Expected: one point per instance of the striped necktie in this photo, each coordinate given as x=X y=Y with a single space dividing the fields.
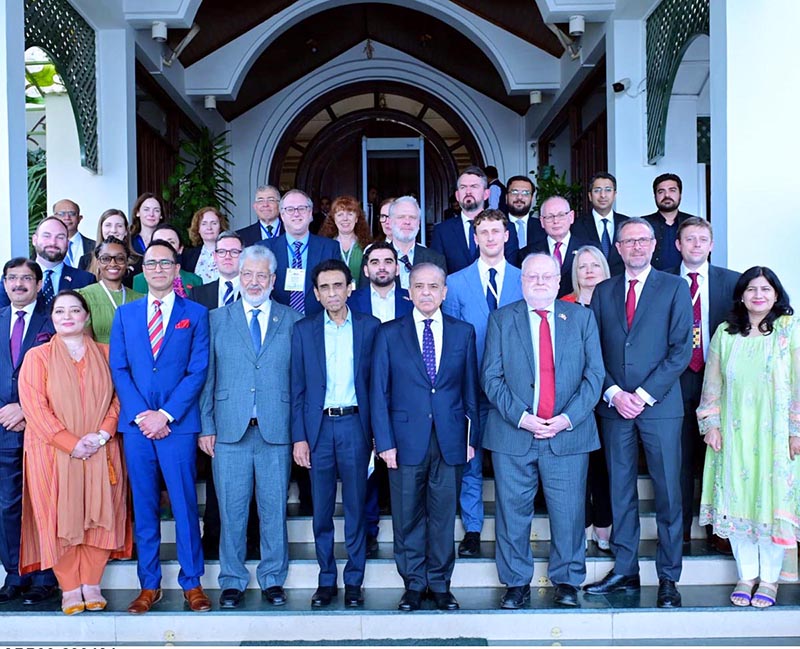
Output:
x=155 y=328
x=297 y=298
x=228 y=297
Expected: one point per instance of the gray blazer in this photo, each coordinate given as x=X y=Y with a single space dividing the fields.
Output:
x=507 y=378
x=236 y=373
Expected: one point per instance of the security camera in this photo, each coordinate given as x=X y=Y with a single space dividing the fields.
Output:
x=622 y=85
x=577 y=26
x=158 y=31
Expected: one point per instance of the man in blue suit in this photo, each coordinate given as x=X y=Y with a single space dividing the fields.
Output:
x=424 y=399
x=25 y=324
x=455 y=238
x=331 y=362
x=50 y=243
x=472 y=295
x=298 y=252
x=159 y=359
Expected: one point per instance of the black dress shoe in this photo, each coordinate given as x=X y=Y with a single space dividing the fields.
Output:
x=38 y=594
x=275 y=595
x=9 y=593
x=566 y=595
x=445 y=601
x=668 y=595
x=231 y=598
x=353 y=596
x=613 y=583
x=372 y=546
x=410 y=601
x=470 y=546
x=516 y=597
x=323 y=596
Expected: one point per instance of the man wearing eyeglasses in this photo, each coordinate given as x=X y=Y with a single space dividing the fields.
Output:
x=556 y=217
x=521 y=217
x=645 y=321
x=225 y=290
x=268 y=226
x=298 y=251
x=70 y=215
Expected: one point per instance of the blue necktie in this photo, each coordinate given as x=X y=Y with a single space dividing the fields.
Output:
x=255 y=330
x=47 y=287
x=429 y=351
x=473 y=249
x=605 y=242
x=68 y=259
x=228 y=297
x=491 y=290
x=522 y=238
x=296 y=298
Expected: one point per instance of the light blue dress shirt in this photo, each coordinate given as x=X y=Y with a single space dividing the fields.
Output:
x=340 y=391
x=303 y=249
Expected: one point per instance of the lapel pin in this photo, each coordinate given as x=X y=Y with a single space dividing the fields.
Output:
x=563 y=316
x=274 y=318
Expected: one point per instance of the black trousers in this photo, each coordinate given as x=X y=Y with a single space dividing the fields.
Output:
x=692 y=445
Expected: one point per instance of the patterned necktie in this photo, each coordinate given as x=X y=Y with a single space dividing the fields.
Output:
x=156 y=328
x=473 y=248
x=228 y=297
x=47 y=287
x=605 y=241
x=16 y=338
x=429 y=351
x=177 y=286
x=547 y=369
x=630 y=302
x=406 y=262
x=491 y=290
x=557 y=253
x=255 y=330
x=297 y=298
x=522 y=238
x=697 y=362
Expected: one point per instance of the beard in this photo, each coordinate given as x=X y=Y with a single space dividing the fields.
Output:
x=517 y=211
x=668 y=205
x=51 y=256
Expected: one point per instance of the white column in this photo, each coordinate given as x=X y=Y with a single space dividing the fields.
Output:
x=754 y=138
x=13 y=161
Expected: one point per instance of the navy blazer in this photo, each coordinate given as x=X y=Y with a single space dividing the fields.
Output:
x=721 y=282
x=174 y=379
x=585 y=230
x=70 y=278
x=567 y=256
x=309 y=374
x=657 y=348
x=406 y=406
x=252 y=233
x=361 y=301
x=319 y=249
x=40 y=330
x=449 y=240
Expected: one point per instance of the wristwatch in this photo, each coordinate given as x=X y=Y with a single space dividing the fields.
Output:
x=102 y=440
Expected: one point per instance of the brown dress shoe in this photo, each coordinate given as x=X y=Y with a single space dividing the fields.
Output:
x=143 y=603
x=197 y=600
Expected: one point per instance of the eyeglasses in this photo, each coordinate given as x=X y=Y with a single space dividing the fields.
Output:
x=70 y=213
x=546 y=278
x=20 y=278
x=630 y=243
x=269 y=200
x=107 y=259
x=520 y=192
x=603 y=190
x=300 y=209
x=163 y=264
x=383 y=218
x=554 y=217
x=228 y=253
x=247 y=275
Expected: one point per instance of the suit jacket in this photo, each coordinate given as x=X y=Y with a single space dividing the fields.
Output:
x=449 y=240
x=309 y=374
x=585 y=230
x=660 y=228
x=88 y=246
x=406 y=405
x=567 y=255
x=189 y=258
x=238 y=376
x=40 y=330
x=173 y=380
x=71 y=278
x=657 y=348
x=319 y=249
x=721 y=283
x=208 y=295
x=466 y=299
x=535 y=232
x=361 y=301
x=508 y=378
x=252 y=234
x=425 y=255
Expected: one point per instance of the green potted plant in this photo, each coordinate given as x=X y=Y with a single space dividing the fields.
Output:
x=549 y=183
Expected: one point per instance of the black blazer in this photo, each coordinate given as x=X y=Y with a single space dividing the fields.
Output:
x=206 y=294
x=189 y=258
x=567 y=256
x=584 y=228
x=660 y=228
x=449 y=240
x=721 y=283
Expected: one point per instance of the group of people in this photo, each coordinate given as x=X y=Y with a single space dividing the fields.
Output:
x=557 y=344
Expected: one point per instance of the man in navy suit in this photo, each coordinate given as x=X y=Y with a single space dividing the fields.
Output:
x=298 y=252
x=159 y=360
x=519 y=200
x=268 y=226
x=455 y=238
x=667 y=190
x=711 y=289
x=50 y=243
x=424 y=395
x=69 y=212
x=331 y=362
x=644 y=318
x=472 y=295
x=25 y=324
x=598 y=228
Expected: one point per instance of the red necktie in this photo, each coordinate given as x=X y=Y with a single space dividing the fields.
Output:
x=557 y=253
x=547 y=369
x=630 y=302
x=156 y=328
x=697 y=362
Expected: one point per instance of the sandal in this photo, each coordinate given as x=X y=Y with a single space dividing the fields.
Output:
x=765 y=595
x=72 y=602
x=743 y=593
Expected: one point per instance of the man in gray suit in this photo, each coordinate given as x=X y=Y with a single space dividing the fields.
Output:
x=542 y=427
x=245 y=426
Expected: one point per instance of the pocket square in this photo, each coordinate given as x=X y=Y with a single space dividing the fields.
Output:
x=183 y=324
x=43 y=337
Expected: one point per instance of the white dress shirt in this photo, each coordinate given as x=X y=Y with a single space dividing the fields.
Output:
x=551 y=246
x=222 y=289
x=483 y=271
x=702 y=295
x=598 y=225
x=382 y=307
x=436 y=328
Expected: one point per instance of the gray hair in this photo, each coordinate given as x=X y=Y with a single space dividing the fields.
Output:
x=553 y=198
x=404 y=199
x=533 y=255
x=427 y=265
x=634 y=220
x=266 y=188
x=299 y=192
x=259 y=253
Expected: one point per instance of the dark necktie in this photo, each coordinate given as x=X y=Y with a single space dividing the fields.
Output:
x=547 y=370
x=406 y=262
x=491 y=290
x=228 y=297
x=429 y=351
x=270 y=233
x=605 y=241
x=473 y=249
x=156 y=328
x=630 y=302
x=557 y=253
x=296 y=298
x=255 y=330
x=697 y=362
x=47 y=287
x=16 y=338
